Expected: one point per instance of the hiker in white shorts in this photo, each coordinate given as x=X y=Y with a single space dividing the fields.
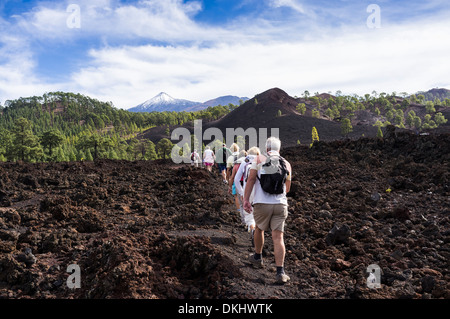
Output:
x=240 y=180
x=231 y=183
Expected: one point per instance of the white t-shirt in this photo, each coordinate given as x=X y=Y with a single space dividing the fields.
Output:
x=208 y=156
x=230 y=159
x=261 y=197
x=242 y=171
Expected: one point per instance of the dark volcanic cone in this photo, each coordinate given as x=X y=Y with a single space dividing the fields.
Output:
x=262 y=112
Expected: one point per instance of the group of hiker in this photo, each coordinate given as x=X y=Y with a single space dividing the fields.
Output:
x=259 y=182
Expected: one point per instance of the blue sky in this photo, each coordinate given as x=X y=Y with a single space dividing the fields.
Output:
x=127 y=51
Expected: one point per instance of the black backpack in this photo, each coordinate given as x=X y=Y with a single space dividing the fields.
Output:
x=226 y=153
x=273 y=175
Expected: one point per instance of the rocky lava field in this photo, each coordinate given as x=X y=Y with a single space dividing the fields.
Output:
x=155 y=230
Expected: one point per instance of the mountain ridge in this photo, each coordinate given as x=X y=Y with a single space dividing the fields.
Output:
x=274 y=108
x=164 y=102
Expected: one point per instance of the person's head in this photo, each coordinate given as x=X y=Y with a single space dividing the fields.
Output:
x=273 y=144
x=234 y=148
x=242 y=153
x=207 y=148
x=224 y=145
x=254 y=151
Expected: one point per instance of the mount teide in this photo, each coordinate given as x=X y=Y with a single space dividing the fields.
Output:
x=164 y=102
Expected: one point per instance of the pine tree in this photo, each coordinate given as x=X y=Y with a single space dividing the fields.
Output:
x=60 y=156
x=25 y=145
x=315 y=113
x=164 y=148
x=379 y=132
x=440 y=119
x=5 y=142
x=151 y=151
x=315 y=136
x=99 y=143
x=429 y=107
x=175 y=153
x=89 y=156
x=140 y=148
x=377 y=111
x=81 y=156
x=133 y=149
x=51 y=139
x=71 y=155
x=346 y=126
x=112 y=154
x=122 y=154
x=301 y=108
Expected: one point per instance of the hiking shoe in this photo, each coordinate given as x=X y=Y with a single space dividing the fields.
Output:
x=282 y=278
x=258 y=263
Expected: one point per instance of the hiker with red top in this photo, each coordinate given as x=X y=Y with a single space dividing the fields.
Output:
x=195 y=158
x=270 y=179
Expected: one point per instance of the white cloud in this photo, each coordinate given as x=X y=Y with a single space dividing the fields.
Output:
x=242 y=59
x=168 y=20
x=293 y=4
x=16 y=67
x=395 y=59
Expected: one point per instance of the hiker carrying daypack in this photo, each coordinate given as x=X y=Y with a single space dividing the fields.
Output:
x=273 y=175
x=271 y=180
x=195 y=157
x=222 y=154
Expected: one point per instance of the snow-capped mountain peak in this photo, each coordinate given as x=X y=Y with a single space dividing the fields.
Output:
x=163 y=102
x=163 y=98
x=160 y=99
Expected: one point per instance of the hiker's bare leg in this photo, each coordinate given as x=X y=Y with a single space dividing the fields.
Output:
x=259 y=240
x=236 y=200
x=278 y=247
